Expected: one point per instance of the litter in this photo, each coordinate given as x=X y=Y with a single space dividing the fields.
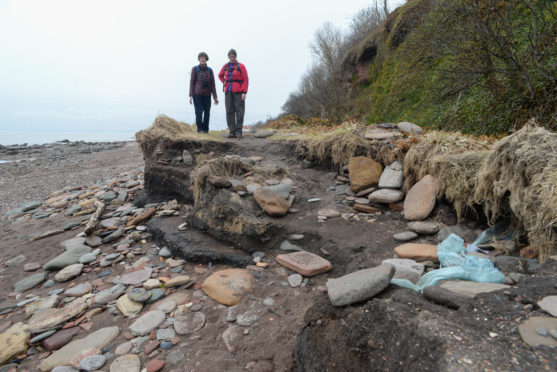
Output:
x=498 y=232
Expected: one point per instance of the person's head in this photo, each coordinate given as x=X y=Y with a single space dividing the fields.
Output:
x=202 y=58
x=232 y=55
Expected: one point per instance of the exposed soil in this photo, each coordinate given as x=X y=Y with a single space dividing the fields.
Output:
x=397 y=330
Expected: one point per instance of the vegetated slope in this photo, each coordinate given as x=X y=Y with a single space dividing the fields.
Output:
x=481 y=67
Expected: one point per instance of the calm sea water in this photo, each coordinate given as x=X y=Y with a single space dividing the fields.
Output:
x=35 y=137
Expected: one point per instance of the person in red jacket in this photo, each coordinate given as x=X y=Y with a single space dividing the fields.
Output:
x=202 y=85
x=235 y=79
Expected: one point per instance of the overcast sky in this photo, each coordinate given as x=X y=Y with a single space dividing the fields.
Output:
x=112 y=66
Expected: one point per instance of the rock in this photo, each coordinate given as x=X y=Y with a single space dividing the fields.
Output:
x=386 y=196
x=98 y=339
x=328 y=212
x=147 y=322
x=175 y=358
x=392 y=177
x=247 y=319
x=92 y=362
x=471 y=289
x=405 y=236
x=156 y=294
x=462 y=231
x=549 y=305
x=166 y=305
x=295 y=280
x=42 y=336
x=154 y=365
x=364 y=172
x=178 y=281
x=75 y=248
x=445 y=297
x=25 y=207
x=296 y=237
x=165 y=252
x=123 y=348
x=126 y=363
x=423 y=227
x=418 y=252
x=150 y=346
x=43 y=320
x=365 y=208
x=529 y=335
x=115 y=235
x=187 y=158
x=88 y=258
x=269 y=302
x=287 y=246
x=282 y=189
x=420 y=200
x=232 y=337
x=42 y=304
x=511 y=264
x=406 y=269
x=60 y=338
x=360 y=285
x=109 y=294
x=228 y=286
x=219 y=181
x=31 y=266
x=165 y=334
x=407 y=127
x=109 y=222
x=93 y=241
x=305 y=263
x=264 y=133
x=30 y=282
x=187 y=322
x=136 y=277
x=271 y=202
x=379 y=134
x=128 y=307
x=138 y=294
x=16 y=261
x=151 y=283
x=13 y=342
x=79 y=290
x=69 y=272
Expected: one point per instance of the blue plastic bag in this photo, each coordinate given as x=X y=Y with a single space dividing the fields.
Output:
x=455 y=265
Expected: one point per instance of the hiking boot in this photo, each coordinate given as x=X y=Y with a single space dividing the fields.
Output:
x=231 y=135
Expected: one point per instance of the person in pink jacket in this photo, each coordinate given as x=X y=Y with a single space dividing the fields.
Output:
x=235 y=79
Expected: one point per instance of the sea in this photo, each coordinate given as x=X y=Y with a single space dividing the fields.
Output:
x=8 y=137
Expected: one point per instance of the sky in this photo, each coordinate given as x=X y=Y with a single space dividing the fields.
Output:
x=102 y=70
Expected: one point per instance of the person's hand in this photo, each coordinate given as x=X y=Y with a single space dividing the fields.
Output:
x=191 y=100
x=216 y=101
x=243 y=96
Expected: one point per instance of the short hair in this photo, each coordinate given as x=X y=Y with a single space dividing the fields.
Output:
x=203 y=54
x=232 y=51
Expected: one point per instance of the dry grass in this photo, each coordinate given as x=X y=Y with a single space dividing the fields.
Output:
x=165 y=128
x=520 y=174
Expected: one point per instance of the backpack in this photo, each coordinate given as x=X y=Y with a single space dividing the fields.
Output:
x=205 y=83
x=226 y=70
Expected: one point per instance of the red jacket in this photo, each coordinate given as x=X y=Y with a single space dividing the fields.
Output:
x=240 y=80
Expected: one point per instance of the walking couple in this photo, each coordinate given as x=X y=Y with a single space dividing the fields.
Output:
x=234 y=76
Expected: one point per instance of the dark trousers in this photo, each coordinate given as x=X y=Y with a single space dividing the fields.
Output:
x=235 y=109
x=202 y=106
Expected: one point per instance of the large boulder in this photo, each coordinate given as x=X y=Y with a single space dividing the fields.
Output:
x=364 y=172
x=420 y=200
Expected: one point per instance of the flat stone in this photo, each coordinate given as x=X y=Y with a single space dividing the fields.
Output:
x=175 y=358
x=79 y=290
x=25 y=207
x=42 y=304
x=109 y=294
x=407 y=127
x=68 y=272
x=13 y=342
x=92 y=363
x=296 y=237
x=85 y=353
x=109 y=222
x=549 y=305
x=178 y=281
x=364 y=172
x=147 y=322
x=156 y=294
x=392 y=176
x=123 y=348
x=365 y=192
x=165 y=334
x=30 y=282
x=360 y=285
x=445 y=297
x=386 y=196
x=16 y=261
x=31 y=266
x=151 y=283
x=418 y=252
x=406 y=269
x=136 y=277
x=305 y=263
x=60 y=338
x=166 y=305
x=138 y=294
x=423 y=227
x=365 y=208
x=272 y=203
x=188 y=322
x=128 y=307
x=287 y=247
x=471 y=289
x=380 y=134
x=165 y=252
x=115 y=235
x=44 y=320
x=93 y=241
x=295 y=280
x=328 y=212
x=88 y=258
x=247 y=319
x=420 y=200
x=405 y=236
x=219 y=181
x=74 y=249
x=98 y=339
x=154 y=365
x=228 y=286
x=126 y=363
x=42 y=336
x=529 y=335
x=282 y=189
x=263 y=133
